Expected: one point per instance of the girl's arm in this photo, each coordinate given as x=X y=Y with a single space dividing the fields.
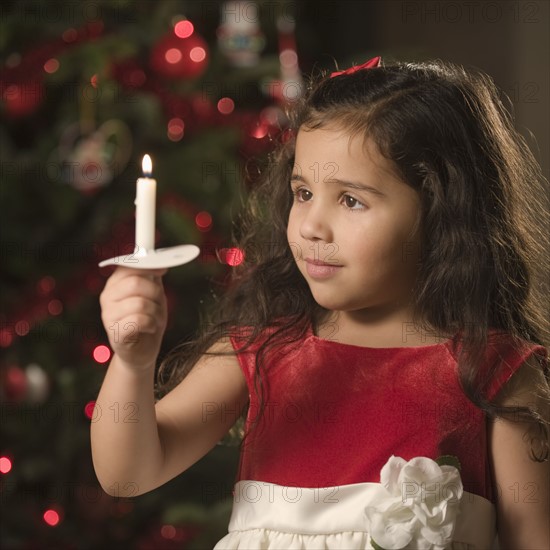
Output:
x=137 y=445
x=522 y=485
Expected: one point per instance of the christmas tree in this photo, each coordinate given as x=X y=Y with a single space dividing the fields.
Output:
x=87 y=89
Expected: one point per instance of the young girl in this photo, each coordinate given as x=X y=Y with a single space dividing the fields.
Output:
x=384 y=336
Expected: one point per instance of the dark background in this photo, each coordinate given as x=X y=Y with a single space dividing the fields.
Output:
x=507 y=39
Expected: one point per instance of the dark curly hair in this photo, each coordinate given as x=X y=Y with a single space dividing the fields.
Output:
x=450 y=137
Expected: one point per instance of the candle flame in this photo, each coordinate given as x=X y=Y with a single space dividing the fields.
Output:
x=147 y=165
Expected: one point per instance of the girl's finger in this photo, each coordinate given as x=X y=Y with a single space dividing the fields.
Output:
x=122 y=272
x=132 y=306
x=133 y=286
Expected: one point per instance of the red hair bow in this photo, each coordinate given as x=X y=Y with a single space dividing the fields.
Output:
x=371 y=63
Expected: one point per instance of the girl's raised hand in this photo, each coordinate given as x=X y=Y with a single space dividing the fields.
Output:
x=134 y=314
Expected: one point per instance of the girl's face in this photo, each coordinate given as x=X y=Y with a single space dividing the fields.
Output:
x=364 y=234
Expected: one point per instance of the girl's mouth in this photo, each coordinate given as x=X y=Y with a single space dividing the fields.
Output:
x=321 y=270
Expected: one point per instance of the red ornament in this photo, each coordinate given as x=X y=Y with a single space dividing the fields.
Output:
x=22 y=98
x=175 y=57
x=15 y=383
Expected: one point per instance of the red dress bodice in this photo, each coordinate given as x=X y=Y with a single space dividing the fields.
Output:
x=335 y=413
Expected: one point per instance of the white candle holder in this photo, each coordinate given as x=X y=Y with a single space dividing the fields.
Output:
x=145 y=256
x=155 y=259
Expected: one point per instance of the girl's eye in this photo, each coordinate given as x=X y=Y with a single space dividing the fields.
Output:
x=298 y=194
x=351 y=203
x=354 y=201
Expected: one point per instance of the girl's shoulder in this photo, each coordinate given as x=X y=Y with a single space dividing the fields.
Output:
x=503 y=346
x=505 y=355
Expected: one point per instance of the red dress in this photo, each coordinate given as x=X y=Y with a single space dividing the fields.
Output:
x=334 y=413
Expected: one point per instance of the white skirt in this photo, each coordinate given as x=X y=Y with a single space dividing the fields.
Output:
x=270 y=516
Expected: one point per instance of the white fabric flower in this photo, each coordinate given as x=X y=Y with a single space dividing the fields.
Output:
x=421 y=507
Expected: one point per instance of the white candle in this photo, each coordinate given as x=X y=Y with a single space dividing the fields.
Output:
x=145 y=209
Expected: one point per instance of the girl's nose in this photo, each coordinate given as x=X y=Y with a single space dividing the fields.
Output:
x=316 y=223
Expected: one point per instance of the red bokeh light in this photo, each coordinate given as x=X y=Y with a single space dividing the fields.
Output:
x=102 y=354
x=5 y=464
x=6 y=338
x=197 y=54
x=51 y=517
x=226 y=105
x=51 y=65
x=184 y=29
x=55 y=307
x=234 y=256
x=203 y=220
x=176 y=128
x=89 y=409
